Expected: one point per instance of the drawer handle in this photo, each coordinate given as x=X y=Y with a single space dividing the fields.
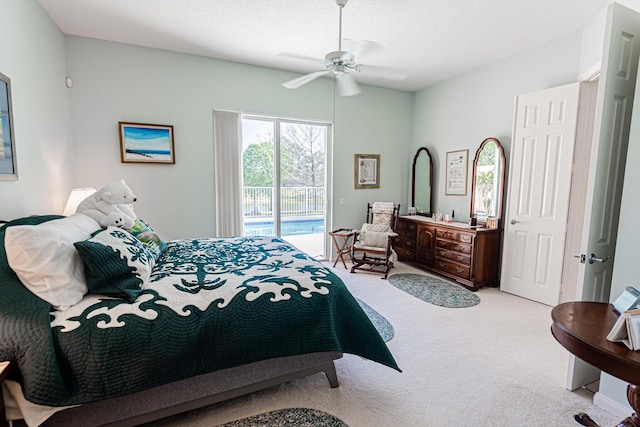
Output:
x=459 y=270
x=459 y=248
x=409 y=243
x=460 y=257
x=442 y=264
x=441 y=243
x=443 y=253
x=409 y=253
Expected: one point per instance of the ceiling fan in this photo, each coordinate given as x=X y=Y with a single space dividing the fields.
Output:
x=342 y=64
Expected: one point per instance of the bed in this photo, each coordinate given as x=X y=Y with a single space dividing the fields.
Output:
x=215 y=318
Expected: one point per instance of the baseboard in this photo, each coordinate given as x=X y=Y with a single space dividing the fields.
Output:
x=611 y=406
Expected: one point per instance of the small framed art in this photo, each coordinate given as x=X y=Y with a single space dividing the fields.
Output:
x=457 y=173
x=8 y=164
x=492 y=223
x=146 y=143
x=367 y=171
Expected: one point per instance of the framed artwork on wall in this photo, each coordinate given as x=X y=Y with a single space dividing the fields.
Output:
x=146 y=143
x=8 y=164
x=367 y=170
x=456 y=179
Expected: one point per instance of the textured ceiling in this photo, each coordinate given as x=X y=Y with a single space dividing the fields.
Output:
x=432 y=39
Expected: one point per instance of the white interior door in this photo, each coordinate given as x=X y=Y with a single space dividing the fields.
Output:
x=538 y=197
x=608 y=158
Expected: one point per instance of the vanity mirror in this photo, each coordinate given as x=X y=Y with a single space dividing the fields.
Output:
x=487 y=183
x=421 y=180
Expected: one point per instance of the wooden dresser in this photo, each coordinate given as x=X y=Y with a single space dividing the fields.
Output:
x=469 y=255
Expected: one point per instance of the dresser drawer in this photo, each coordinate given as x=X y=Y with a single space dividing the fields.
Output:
x=407 y=229
x=454 y=256
x=453 y=268
x=443 y=244
x=401 y=242
x=454 y=235
x=465 y=238
x=405 y=253
x=461 y=247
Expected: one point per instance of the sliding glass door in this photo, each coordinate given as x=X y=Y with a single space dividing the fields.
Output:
x=285 y=191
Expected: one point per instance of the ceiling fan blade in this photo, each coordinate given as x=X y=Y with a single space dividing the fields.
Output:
x=303 y=80
x=347 y=85
x=300 y=57
x=384 y=72
x=361 y=47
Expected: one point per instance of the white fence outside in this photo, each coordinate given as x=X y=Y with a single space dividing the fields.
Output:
x=295 y=201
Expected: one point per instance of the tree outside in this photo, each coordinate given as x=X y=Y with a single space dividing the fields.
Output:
x=302 y=170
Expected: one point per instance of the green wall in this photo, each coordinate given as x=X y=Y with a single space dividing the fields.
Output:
x=116 y=82
x=33 y=57
x=461 y=112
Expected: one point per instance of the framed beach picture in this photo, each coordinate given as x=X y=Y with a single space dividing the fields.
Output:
x=367 y=171
x=8 y=170
x=145 y=143
x=456 y=184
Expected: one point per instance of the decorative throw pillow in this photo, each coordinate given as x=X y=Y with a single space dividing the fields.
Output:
x=115 y=263
x=374 y=235
x=45 y=261
x=382 y=218
x=143 y=232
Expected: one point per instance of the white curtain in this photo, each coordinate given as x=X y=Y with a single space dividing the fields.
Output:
x=227 y=142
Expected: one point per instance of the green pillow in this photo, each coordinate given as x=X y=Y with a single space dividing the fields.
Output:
x=115 y=263
x=143 y=232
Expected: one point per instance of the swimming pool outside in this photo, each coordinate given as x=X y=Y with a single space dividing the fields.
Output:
x=307 y=233
x=290 y=226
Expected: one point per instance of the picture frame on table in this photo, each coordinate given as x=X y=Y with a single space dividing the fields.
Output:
x=492 y=223
x=366 y=171
x=8 y=162
x=146 y=143
x=456 y=173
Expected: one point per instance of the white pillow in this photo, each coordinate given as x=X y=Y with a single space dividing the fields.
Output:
x=375 y=235
x=45 y=260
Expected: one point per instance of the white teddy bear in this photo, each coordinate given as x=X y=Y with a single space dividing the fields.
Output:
x=111 y=205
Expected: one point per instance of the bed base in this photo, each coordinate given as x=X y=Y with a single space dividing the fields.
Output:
x=197 y=392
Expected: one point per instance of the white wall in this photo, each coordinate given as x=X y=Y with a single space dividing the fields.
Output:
x=461 y=112
x=116 y=82
x=33 y=57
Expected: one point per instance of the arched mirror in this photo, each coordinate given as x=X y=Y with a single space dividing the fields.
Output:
x=421 y=179
x=487 y=184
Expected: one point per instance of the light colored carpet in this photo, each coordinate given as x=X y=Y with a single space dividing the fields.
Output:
x=494 y=364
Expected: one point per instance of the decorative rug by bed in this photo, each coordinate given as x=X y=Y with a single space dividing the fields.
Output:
x=434 y=290
x=383 y=326
x=298 y=417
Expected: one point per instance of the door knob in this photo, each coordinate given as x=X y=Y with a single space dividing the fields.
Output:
x=593 y=258
x=513 y=222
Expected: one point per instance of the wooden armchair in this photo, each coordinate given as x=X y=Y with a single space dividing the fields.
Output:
x=371 y=249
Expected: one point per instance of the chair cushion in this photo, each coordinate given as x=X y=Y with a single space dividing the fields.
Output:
x=375 y=235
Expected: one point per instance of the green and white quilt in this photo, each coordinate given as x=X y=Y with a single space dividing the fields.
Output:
x=209 y=304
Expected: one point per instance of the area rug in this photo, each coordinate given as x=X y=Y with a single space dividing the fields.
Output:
x=298 y=417
x=383 y=326
x=434 y=290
